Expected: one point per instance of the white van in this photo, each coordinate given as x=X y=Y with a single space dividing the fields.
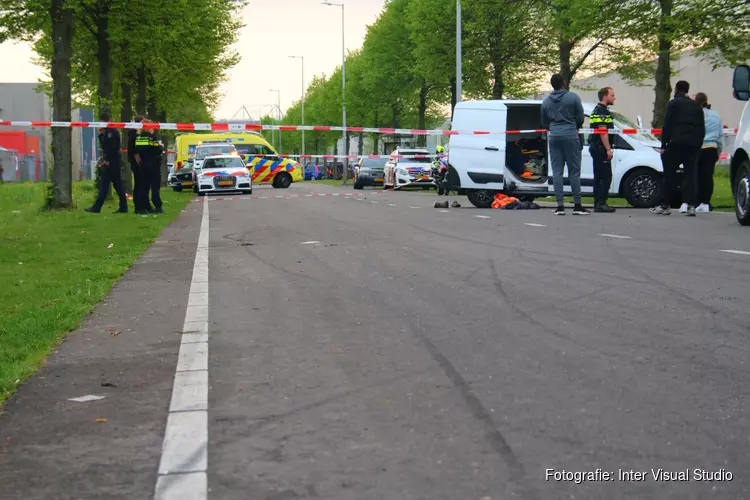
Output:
x=739 y=166
x=518 y=164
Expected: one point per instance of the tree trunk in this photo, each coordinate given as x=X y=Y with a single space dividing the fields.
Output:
x=376 y=142
x=423 y=92
x=498 y=85
x=104 y=56
x=126 y=115
x=140 y=97
x=63 y=30
x=361 y=146
x=151 y=85
x=663 y=87
x=566 y=48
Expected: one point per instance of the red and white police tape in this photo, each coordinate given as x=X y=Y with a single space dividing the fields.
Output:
x=242 y=127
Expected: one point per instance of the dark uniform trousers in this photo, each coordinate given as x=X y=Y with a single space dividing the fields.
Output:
x=602 y=174
x=150 y=181
x=137 y=187
x=110 y=174
x=673 y=156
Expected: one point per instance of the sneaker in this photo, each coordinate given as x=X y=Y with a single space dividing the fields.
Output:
x=579 y=210
x=604 y=209
x=91 y=210
x=703 y=207
x=158 y=211
x=560 y=211
x=120 y=212
x=684 y=208
x=690 y=212
x=661 y=210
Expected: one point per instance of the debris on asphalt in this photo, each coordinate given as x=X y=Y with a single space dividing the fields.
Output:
x=455 y=204
x=441 y=204
x=114 y=332
x=110 y=245
x=87 y=398
x=100 y=420
x=108 y=384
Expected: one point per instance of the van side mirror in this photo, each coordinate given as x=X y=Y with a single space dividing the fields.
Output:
x=741 y=82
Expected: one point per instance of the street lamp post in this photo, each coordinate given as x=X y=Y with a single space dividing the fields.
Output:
x=278 y=97
x=343 y=88
x=302 y=58
x=459 y=76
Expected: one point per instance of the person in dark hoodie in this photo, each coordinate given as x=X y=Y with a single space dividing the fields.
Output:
x=111 y=169
x=562 y=117
x=681 y=141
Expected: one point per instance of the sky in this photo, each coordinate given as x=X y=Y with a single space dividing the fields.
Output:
x=274 y=30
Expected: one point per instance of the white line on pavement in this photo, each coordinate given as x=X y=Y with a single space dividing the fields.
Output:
x=615 y=236
x=184 y=454
x=391 y=204
x=736 y=252
x=534 y=224
x=309 y=242
x=445 y=211
x=482 y=216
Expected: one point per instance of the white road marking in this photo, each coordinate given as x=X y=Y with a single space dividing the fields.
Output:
x=445 y=211
x=391 y=204
x=482 y=216
x=309 y=242
x=373 y=201
x=184 y=454
x=534 y=224
x=413 y=206
x=736 y=252
x=615 y=236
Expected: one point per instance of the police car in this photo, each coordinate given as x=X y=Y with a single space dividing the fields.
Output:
x=409 y=168
x=222 y=173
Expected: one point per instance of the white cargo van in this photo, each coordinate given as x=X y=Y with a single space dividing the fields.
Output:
x=739 y=166
x=481 y=165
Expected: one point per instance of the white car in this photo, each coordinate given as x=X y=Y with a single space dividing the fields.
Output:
x=223 y=173
x=739 y=166
x=205 y=149
x=415 y=170
x=481 y=165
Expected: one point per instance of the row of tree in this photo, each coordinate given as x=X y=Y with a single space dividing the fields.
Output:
x=165 y=60
x=404 y=75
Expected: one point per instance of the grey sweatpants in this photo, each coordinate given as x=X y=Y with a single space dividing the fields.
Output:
x=562 y=152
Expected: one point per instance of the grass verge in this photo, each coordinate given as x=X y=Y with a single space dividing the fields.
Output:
x=56 y=266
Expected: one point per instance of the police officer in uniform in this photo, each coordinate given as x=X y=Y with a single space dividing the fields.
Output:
x=111 y=168
x=138 y=182
x=601 y=149
x=148 y=154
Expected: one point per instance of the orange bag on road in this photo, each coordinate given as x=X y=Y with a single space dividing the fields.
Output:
x=502 y=199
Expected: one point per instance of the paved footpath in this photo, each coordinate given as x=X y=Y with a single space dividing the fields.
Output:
x=369 y=346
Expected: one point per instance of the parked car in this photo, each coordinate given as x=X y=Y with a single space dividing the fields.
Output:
x=739 y=165
x=182 y=178
x=409 y=167
x=313 y=172
x=369 y=172
x=518 y=164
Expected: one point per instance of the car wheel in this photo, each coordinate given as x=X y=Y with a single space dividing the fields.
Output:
x=741 y=190
x=247 y=192
x=282 y=181
x=177 y=189
x=201 y=193
x=481 y=198
x=440 y=190
x=195 y=188
x=642 y=187
x=357 y=185
x=527 y=197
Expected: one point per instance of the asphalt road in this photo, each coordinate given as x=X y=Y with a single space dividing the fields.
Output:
x=373 y=347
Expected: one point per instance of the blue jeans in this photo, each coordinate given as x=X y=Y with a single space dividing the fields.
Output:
x=562 y=152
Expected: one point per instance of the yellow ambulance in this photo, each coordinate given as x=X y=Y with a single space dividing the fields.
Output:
x=262 y=160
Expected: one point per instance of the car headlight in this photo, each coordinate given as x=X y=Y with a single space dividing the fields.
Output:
x=401 y=171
